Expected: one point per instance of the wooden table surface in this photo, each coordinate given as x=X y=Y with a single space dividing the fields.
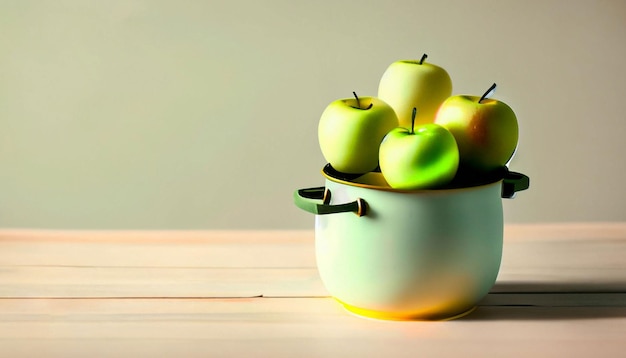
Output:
x=561 y=292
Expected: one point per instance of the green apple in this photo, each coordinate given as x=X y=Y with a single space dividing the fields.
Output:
x=485 y=130
x=350 y=131
x=423 y=157
x=410 y=83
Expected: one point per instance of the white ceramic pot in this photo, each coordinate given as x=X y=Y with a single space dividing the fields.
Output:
x=391 y=254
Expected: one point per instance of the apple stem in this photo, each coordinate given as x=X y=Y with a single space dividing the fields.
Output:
x=488 y=93
x=413 y=120
x=423 y=58
x=358 y=102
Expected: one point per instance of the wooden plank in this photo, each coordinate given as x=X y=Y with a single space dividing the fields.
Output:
x=37 y=281
x=157 y=249
x=597 y=265
x=543 y=299
x=214 y=248
x=286 y=327
x=231 y=283
x=160 y=236
x=524 y=232
x=77 y=282
x=567 y=231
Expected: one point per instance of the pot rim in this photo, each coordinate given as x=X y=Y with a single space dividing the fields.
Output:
x=327 y=171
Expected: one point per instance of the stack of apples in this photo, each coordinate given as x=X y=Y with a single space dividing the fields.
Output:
x=416 y=132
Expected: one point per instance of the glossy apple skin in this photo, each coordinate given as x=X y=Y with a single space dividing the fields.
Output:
x=407 y=84
x=425 y=159
x=350 y=137
x=486 y=133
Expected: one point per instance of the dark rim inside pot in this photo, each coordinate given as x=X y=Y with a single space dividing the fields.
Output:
x=465 y=178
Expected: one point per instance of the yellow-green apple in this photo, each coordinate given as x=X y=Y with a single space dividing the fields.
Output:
x=423 y=157
x=485 y=129
x=410 y=83
x=350 y=131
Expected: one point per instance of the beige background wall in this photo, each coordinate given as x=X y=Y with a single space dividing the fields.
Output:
x=203 y=114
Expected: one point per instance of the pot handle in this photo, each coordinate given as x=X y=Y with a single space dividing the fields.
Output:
x=512 y=183
x=306 y=199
